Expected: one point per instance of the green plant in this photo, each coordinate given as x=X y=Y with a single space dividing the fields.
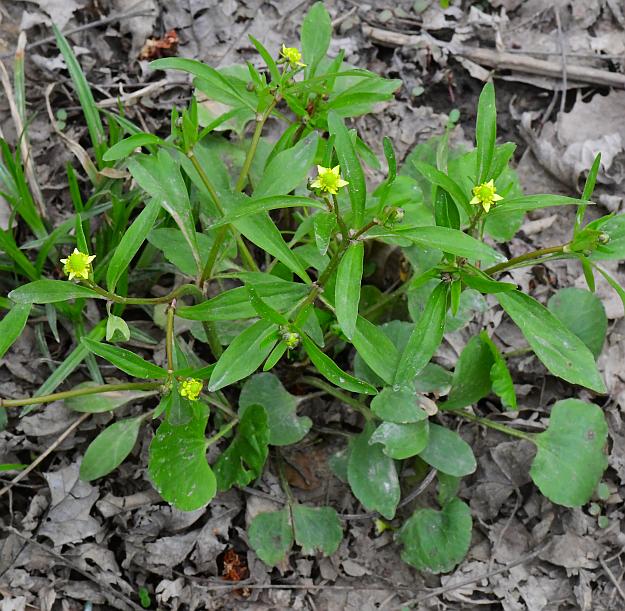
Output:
x=289 y=293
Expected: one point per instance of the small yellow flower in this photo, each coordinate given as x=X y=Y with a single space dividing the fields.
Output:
x=191 y=388
x=292 y=56
x=78 y=265
x=328 y=179
x=486 y=195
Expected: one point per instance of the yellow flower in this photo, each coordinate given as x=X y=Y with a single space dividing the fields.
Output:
x=486 y=195
x=292 y=56
x=78 y=265
x=328 y=179
x=191 y=388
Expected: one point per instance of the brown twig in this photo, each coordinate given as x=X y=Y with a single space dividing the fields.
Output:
x=468 y=582
x=500 y=60
x=613 y=579
x=22 y=474
x=63 y=559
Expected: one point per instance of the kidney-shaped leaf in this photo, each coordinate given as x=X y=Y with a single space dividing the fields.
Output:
x=448 y=452
x=372 y=475
x=271 y=536
x=285 y=426
x=437 y=541
x=316 y=528
x=571 y=459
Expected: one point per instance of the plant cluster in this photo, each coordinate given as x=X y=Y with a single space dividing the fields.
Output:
x=267 y=247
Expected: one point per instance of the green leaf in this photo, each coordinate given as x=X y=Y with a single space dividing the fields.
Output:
x=562 y=352
x=425 y=338
x=316 y=529
x=131 y=242
x=177 y=463
x=123 y=359
x=288 y=169
x=245 y=457
x=262 y=231
x=249 y=207
x=117 y=329
x=235 y=303
x=440 y=179
x=399 y=405
x=437 y=541
x=110 y=448
x=376 y=349
x=285 y=427
x=401 y=440
x=51 y=291
x=125 y=147
x=571 y=453
x=323 y=226
x=271 y=536
x=105 y=401
x=531 y=202
x=347 y=294
x=450 y=240
x=85 y=97
x=485 y=132
x=500 y=377
x=448 y=452
x=372 y=475
x=160 y=176
x=269 y=60
x=614 y=226
x=244 y=355
x=351 y=170
x=331 y=371
x=582 y=312
x=216 y=85
x=471 y=381
x=476 y=279
x=316 y=35
x=12 y=325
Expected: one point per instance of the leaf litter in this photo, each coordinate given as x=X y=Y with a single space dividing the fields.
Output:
x=121 y=534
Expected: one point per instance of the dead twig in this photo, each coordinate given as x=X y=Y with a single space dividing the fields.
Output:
x=613 y=579
x=22 y=135
x=468 y=582
x=20 y=476
x=500 y=60
x=101 y=584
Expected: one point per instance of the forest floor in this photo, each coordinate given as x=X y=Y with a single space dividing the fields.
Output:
x=65 y=544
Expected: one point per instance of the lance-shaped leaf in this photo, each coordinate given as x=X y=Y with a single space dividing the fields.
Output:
x=12 y=325
x=51 y=291
x=562 y=352
x=347 y=292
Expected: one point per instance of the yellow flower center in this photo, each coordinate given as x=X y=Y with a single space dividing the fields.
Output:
x=191 y=388
x=328 y=180
x=78 y=265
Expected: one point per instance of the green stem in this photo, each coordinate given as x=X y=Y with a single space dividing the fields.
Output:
x=183 y=289
x=502 y=428
x=248 y=260
x=341 y=396
x=528 y=256
x=284 y=482
x=366 y=228
x=169 y=336
x=260 y=123
x=221 y=432
x=79 y=392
